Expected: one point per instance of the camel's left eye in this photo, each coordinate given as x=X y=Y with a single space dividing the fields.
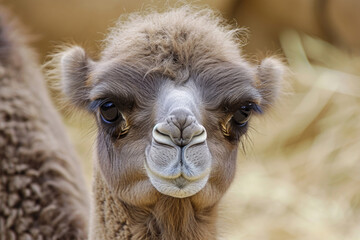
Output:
x=242 y=116
x=109 y=112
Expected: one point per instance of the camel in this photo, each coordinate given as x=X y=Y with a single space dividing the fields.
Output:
x=42 y=190
x=172 y=96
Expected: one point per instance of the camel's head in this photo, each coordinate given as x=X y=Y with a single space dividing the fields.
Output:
x=172 y=98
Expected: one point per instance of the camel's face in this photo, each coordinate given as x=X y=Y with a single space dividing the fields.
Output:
x=172 y=98
x=160 y=136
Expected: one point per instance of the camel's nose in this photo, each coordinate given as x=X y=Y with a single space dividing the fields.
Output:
x=180 y=128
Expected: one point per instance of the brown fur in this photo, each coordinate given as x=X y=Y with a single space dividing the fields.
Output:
x=42 y=191
x=143 y=59
x=115 y=219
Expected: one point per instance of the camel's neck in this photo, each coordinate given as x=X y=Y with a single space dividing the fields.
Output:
x=169 y=218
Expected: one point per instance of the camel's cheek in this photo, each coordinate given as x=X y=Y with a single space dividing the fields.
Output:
x=123 y=171
x=222 y=174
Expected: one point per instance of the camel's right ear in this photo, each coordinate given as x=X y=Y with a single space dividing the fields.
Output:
x=76 y=67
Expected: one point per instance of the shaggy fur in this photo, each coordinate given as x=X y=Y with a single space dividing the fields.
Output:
x=115 y=219
x=144 y=59
x=42 y=191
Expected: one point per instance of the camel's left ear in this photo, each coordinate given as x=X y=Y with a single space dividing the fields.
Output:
x=76 y=68
x=269 y=77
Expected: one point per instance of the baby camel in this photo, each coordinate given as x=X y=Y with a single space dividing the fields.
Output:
x=172 y=97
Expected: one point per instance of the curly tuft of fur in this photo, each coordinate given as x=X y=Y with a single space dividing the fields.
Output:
x=42 y=191
x=185 y=35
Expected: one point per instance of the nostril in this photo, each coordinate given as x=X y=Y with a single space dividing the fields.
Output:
x=161 y=135
x=198 y=131
x=200 y=137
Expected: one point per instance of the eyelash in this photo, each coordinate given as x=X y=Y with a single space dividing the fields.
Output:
x=116 y=129
x=95 y=105
x=231 y=128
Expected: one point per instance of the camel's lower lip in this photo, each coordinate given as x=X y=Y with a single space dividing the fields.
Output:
x=178 y=187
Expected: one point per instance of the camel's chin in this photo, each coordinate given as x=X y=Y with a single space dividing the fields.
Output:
x=178 y=187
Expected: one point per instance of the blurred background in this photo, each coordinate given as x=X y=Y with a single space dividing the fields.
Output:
x=299 y=176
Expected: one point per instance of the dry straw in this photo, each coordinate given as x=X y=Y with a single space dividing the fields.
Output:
x=301 y=179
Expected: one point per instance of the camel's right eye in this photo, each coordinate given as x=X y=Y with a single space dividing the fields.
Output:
x=109 y=112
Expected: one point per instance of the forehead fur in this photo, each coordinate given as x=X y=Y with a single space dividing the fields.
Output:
x=173 y=43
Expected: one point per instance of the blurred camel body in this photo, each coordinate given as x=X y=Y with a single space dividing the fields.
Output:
x=42 y=191
x=172 y=97
x=334 y=21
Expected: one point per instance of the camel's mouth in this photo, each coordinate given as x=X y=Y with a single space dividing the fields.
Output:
x=178 y=171
x=178 y=187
